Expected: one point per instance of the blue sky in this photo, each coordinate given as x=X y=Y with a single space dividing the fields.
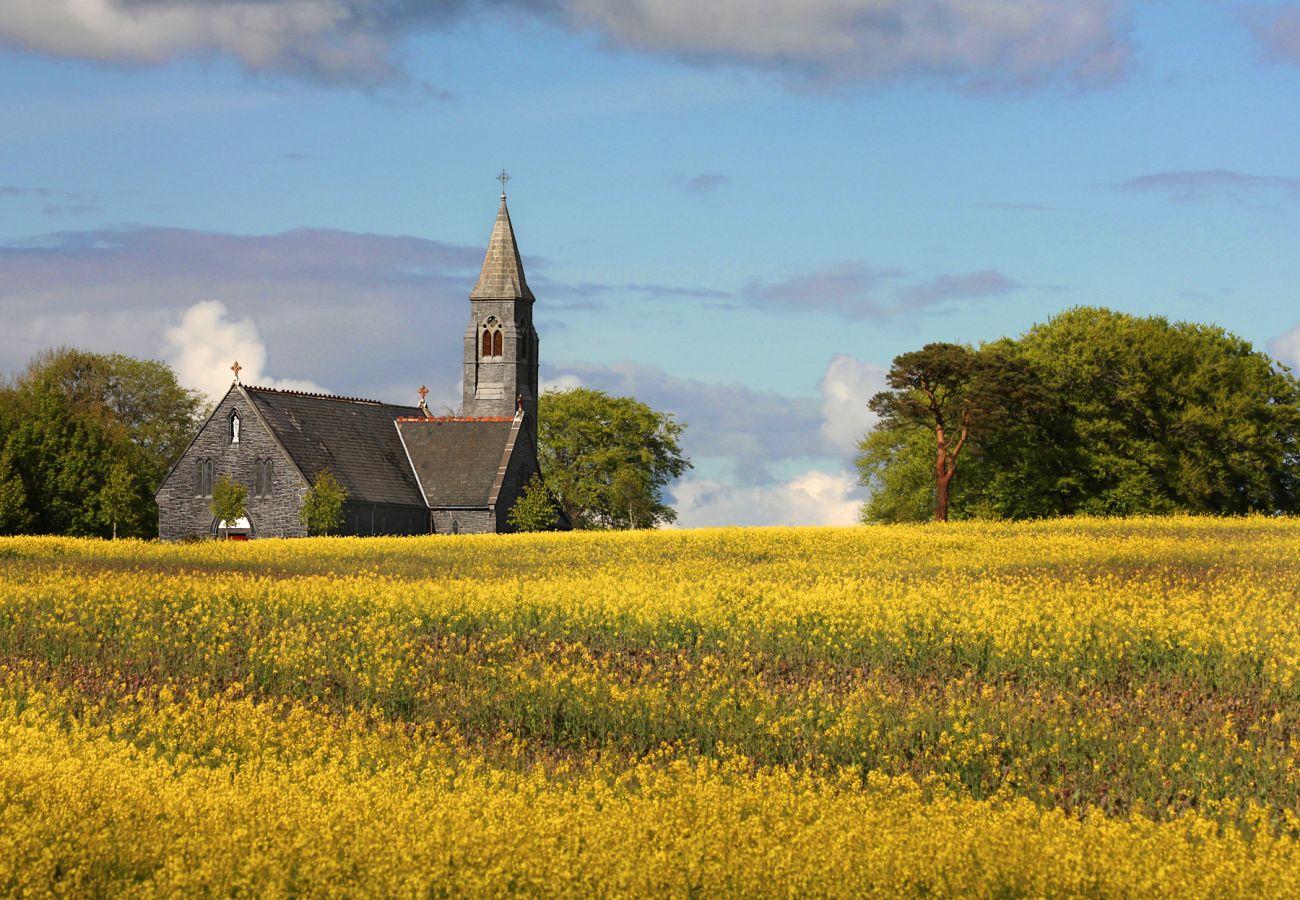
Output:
x=738 y=211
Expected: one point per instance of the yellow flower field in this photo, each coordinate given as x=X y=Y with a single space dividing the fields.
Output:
x=1076 y=707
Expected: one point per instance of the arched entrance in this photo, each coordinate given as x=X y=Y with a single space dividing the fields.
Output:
x=240 y=529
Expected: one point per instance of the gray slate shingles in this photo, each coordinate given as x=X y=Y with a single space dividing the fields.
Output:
x=354 y=439
x=502 y=277
x=456 y=460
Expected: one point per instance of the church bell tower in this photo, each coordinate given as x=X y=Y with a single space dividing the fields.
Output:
x=501 y=344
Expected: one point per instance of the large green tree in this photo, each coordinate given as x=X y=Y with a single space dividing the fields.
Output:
x=72 y=418
x=1133 y=415
x=607 y=459
x=958 y=394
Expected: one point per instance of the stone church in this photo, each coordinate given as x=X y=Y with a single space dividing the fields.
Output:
x=405 y=471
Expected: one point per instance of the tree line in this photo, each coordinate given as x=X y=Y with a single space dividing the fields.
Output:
x=1094 y=412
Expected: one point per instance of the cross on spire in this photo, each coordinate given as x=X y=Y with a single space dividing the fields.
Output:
x=235 y=368
x=503 y=178
x=423 y=392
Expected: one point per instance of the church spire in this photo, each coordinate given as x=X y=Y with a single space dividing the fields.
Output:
x=502 y=277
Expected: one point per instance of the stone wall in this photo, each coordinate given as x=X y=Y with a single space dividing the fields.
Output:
x=523 y=463
x=183 y=514
x=467 y=521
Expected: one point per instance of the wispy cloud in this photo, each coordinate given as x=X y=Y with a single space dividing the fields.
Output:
x=855 y=290
x=53 y=203
x=1199 y=184
x=702 y=185
x=1275 y=28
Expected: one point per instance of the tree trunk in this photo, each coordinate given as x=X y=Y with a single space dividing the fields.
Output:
x=941 y=496
x=114 y=528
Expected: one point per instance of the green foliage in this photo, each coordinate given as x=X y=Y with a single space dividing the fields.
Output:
x=958 y=394
x=1133 y=415
x=14 y=515
x=117 y=496
x=897 y=464
x=534 y=510
x=70 y=417
x=229 y=500
x=607 y=459
x=322 y=509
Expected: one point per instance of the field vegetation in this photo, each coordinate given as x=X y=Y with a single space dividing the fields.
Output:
x=1100 y=707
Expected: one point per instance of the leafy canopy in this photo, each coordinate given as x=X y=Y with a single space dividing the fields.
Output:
x=607 y=459
x=957 y=393
x=68 y=420
x=1122 y=415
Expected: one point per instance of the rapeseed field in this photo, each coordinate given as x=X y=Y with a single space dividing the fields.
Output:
x=1075 y=707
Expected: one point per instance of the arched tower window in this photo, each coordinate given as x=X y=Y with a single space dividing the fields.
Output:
x=492 y=343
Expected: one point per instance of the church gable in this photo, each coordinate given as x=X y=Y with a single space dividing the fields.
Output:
x=234 y=443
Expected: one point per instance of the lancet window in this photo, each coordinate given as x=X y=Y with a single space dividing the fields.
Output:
x=492 y=343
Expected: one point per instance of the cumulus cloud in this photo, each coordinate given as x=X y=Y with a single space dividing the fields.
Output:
x=812 y=498
x=994 y=43
x=855 y=290
x=845 y=389
x=1201 y=184
x=1275 y=28
x=206 y=342
x=1286 y=348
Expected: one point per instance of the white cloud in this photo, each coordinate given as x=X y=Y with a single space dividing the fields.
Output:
x=202 y=347
x=1286 y=348
x=566 y=382
x=846 y=387
x=812 y=498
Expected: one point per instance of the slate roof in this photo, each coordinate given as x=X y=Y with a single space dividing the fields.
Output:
x=502 y=277
x=352 y=438
x=457 y=459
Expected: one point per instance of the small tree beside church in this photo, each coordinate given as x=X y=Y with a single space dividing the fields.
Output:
x=534 y=510
x=322 y=509
x=229 y=502
x=117 y=498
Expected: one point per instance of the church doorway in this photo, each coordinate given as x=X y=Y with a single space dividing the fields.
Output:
x=240 y=529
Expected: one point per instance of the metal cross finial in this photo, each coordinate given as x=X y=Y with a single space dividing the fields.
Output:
x=503 y=178
x=235 y=368
x=423 y=392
